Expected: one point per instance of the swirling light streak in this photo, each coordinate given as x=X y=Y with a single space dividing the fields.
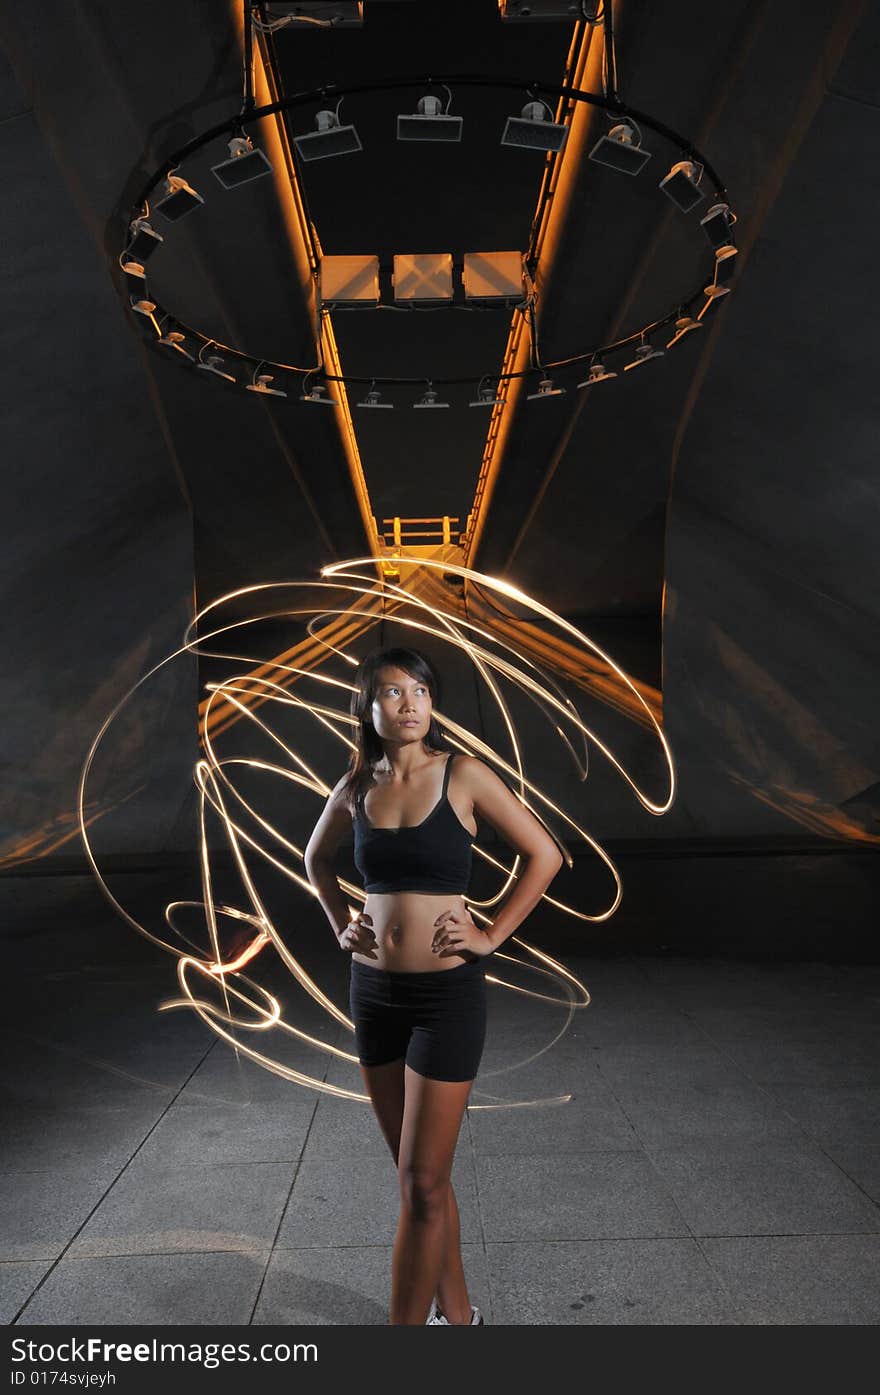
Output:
x=242 y=692
x=474 y=741
x=515 y=594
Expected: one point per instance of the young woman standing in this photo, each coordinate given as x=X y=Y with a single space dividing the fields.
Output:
x=417 y=987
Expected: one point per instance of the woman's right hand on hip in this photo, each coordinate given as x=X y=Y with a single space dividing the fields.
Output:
x=359 y=935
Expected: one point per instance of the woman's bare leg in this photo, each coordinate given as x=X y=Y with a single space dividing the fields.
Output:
x=433 y=1111
x=385 y=1086
x=452 y=1289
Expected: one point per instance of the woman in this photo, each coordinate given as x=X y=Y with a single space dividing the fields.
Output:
x=418 y=990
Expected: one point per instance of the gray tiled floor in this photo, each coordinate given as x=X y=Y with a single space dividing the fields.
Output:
x=700 y=1146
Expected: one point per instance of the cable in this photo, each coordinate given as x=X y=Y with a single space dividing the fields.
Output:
x=610 y=55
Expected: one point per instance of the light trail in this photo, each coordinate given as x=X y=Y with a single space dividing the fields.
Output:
x=246 y=694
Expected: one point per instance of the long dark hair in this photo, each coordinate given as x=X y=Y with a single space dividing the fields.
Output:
x=368 y=744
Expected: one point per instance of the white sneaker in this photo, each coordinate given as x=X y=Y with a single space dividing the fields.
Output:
x=437 y=1319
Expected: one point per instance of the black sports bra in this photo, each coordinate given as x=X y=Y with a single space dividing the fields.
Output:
x=434 y=855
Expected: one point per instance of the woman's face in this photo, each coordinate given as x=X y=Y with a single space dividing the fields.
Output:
x=401 y=707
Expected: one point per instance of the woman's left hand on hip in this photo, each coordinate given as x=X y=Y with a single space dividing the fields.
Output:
x=456 y=933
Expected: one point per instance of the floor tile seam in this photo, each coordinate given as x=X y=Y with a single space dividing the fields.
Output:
x=81 y=1258
x=560 y=1241
x=296 y=1172
x=738 y=1306
x=841 y=1169
x=760 y=1086
x=689 y=1239
x=688 y=1234
x=661 y=1180
x=175 y=1168
x=106 y=1191
x=578 y=1150
x=591 y=1152
x=717 y=1046
x=356 y=1245
x=482 y=1241
x=70 y=1050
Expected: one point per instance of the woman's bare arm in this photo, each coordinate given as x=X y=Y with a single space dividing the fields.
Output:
x=333 y=825
x=495 y=803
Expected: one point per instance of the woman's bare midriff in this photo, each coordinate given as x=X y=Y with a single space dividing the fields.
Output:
x=403 y=923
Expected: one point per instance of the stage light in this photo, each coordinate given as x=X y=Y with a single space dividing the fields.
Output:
x=717 y=224
x=535 y=129
x=319 y=395
x=644 y=353
x=180 y=199
x=214 y=363
x=175 y=340
x=682 y=185
x=542 y=10
x=725 y=262
x=260 y=383
x=138 y=295
x=683 y=325
x=493 y=276
x=245 y=163
x=144 y=240
x=348 y=281
x=429 y=122
x=545 y=389
x=372 y=400
x=320 y=14
x=621 y=149
x=487 y=397
x=328 y=140
x=598 y=374
x=429 y=399
x=424 y=277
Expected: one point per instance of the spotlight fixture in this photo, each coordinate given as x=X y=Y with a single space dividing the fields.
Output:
x=717 y=224
x=493 y=277
x=260 y=383
x=644 y=353
x=180 y=199
x=328 y=140
x=136 y=282
x=318 y=394
x=545 y=389
x=429 y=122
x=683 y=325
x=173 y=339
x=535 y=129
x=598 y=374
x=429 y=399
x=488 y=397
x=372 y=400
x=214 y=363
x=348 y=281
x=725 y=260
x=423 y=277
x=682 y=185
x=246 y=163
x=621 y=149
x=319 y=14
x=567 y=10
x=144 y=240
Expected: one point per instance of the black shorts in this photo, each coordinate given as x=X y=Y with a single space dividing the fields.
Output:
x=435 y=1020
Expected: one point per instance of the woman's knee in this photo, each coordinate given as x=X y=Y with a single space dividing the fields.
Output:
x=425 y=1190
